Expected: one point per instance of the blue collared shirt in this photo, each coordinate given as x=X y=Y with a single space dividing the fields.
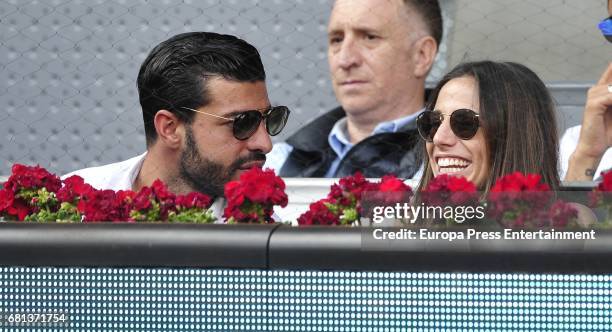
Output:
x=339 y=141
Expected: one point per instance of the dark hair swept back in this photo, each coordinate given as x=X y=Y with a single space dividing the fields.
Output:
x=431 y=14
x=517 y=115
x=177 y=70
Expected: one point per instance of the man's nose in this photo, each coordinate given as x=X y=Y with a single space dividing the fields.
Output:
x=349 y=54
x=260 y=141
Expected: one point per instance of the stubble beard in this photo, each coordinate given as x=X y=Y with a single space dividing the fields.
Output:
x=207 y=176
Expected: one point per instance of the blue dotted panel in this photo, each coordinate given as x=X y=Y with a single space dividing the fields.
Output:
x=105 y=299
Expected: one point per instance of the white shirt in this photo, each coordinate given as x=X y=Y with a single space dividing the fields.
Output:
x=117 y=176
x=569 y=141
x=121 y=176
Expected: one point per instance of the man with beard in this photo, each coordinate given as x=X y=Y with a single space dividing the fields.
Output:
x=207 y=118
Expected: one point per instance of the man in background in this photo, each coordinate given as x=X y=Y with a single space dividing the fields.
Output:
x=585 y=150
x=379 y=53
x=207 y=117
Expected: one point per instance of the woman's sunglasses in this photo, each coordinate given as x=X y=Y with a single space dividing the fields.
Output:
x=245 y=123
x=463 y=122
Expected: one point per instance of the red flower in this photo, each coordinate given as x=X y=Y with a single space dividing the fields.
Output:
x=124 y=202
x=518 y=200
x=517 y=182
x=348 y=191
x=32 y=193
x=389 y=191
x=253 y=196
x=13 y=206
x=354 y=185
x=193 y=200
x=31 y=177
x=343 y=204
x=74 y=187
x=234 y=192
x=164 y=197
x=562 y=214
x=29 y=190
x=6 y=199
x=450 y=190
x=142 y=200
x=20 y=209
x=104 y=205
x=601 y=195
x=152 y=203
x=606 y=182
x=258 y=186
x=390 y=183
x=161 y=191
x=319 y=214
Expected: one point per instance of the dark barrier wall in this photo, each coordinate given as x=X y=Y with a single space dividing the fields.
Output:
x=160 y=277
x=284 y=247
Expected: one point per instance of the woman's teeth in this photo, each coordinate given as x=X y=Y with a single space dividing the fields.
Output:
x=450 y=170
x=452 y=165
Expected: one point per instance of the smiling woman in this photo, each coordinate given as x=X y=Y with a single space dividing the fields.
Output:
x=488 y=119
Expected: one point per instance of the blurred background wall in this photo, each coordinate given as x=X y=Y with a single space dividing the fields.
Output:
x=68 y=97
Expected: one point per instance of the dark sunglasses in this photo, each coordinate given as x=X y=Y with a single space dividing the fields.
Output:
x=245 y=123
x=463 y=122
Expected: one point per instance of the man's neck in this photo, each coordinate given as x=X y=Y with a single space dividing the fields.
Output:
x=360 y=125
x=154 y=168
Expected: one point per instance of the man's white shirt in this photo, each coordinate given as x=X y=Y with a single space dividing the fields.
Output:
x=121 y=176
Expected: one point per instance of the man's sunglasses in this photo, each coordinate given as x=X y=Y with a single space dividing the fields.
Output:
x=245 y=123
x=463 y=122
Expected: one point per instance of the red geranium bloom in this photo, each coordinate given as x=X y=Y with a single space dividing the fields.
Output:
x=32 y=177
x=74 y=187
x=161 y=191
x=103 y=205
x=562 y=214
x=252 y=198
x=193 y=200
x=319 y=214
x=142 y=200
x=389 y=191
x=354 y=185
x=263 y=186
x=517 y=182
x=343 y=204
x=390 y=183
x=450 y=190
x=13 y=206
x=6 y=199
x=606 y=183
x=518 y=200
x=23 y=185
x=601 y=196
x=148 y=199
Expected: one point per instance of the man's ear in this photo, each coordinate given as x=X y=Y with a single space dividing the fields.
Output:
x=424 y=55
x=169 y=129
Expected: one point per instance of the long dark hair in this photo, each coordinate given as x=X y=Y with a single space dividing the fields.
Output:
x=517 y=115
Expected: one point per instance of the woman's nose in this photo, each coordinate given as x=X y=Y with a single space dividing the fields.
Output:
x=444 y=135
